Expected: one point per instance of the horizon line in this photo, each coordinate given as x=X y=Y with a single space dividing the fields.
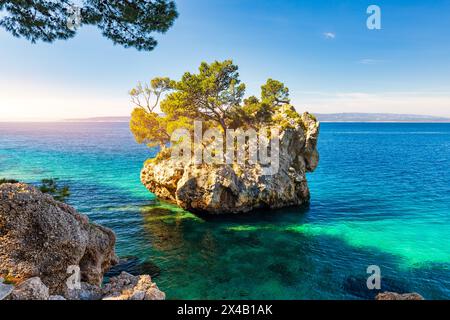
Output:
x=421 y=118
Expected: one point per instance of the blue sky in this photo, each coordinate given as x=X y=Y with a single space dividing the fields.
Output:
x=402 y=68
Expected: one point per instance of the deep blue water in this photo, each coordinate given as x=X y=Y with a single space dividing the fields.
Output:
x=380 y=196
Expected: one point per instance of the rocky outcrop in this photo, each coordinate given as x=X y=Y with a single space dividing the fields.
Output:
x=123 y=287
x=31 y=289
x=41 y=237
x=129 y=287
x=398 y=296
x=86 y=291
x=229 y=188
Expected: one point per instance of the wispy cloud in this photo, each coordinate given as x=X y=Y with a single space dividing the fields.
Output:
x=329 y=35
x=369 y=61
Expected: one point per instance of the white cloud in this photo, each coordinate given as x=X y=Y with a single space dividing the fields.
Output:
x=329 y=35
x=369 y=61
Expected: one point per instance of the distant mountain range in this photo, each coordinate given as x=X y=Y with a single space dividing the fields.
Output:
x=324 y=117
x=377 y=117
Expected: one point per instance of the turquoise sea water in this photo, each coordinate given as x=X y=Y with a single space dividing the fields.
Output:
x=381 y=196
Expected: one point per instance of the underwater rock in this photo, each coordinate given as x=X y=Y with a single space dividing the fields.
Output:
x=134 y=266
x=230 y=188
x=357 y=286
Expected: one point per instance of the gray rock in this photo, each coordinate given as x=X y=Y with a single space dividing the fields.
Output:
x=43 y=237
x=40 y=238
x=218 y=189
x=129 y=287
x=398 y=296
x=86 y=292
x=31 y=289
x=5 y=290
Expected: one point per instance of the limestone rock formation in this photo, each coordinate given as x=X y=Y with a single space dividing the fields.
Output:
x=129 y=287
x=86 y=291
x=41 y=237
x=123 y=287
x=31 y=289
x=57 y=298
x=228 y=188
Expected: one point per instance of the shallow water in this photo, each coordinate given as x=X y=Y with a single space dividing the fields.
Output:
x=381 y=196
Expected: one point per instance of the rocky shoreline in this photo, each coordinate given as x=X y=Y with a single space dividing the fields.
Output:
x=49 y=251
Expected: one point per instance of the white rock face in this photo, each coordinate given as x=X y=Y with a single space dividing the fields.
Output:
x=31 y=289
x=221 y=189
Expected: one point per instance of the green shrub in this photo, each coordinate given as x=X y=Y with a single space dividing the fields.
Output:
x=3 y=180
x=51 y=187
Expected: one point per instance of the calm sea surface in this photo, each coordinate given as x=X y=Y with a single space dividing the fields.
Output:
x=381 y=196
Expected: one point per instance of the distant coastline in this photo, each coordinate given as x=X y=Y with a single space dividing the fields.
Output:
x=100 y=119
x=324 y=117
x=380 y=117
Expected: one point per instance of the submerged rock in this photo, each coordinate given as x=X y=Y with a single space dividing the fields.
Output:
x=357 y=286
x=134 y=265
x=398 y=296
x=218 y=189
x=41 y=237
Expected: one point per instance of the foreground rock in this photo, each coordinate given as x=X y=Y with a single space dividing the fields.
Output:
x=129 y=287
x=123 y=287
x=40 y=238
x=218 y=189
x=31 y=289
x=5 y=289
x=398 y=296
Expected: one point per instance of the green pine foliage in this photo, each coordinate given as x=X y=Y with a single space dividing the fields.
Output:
x=214 y=95
x=130 y=23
